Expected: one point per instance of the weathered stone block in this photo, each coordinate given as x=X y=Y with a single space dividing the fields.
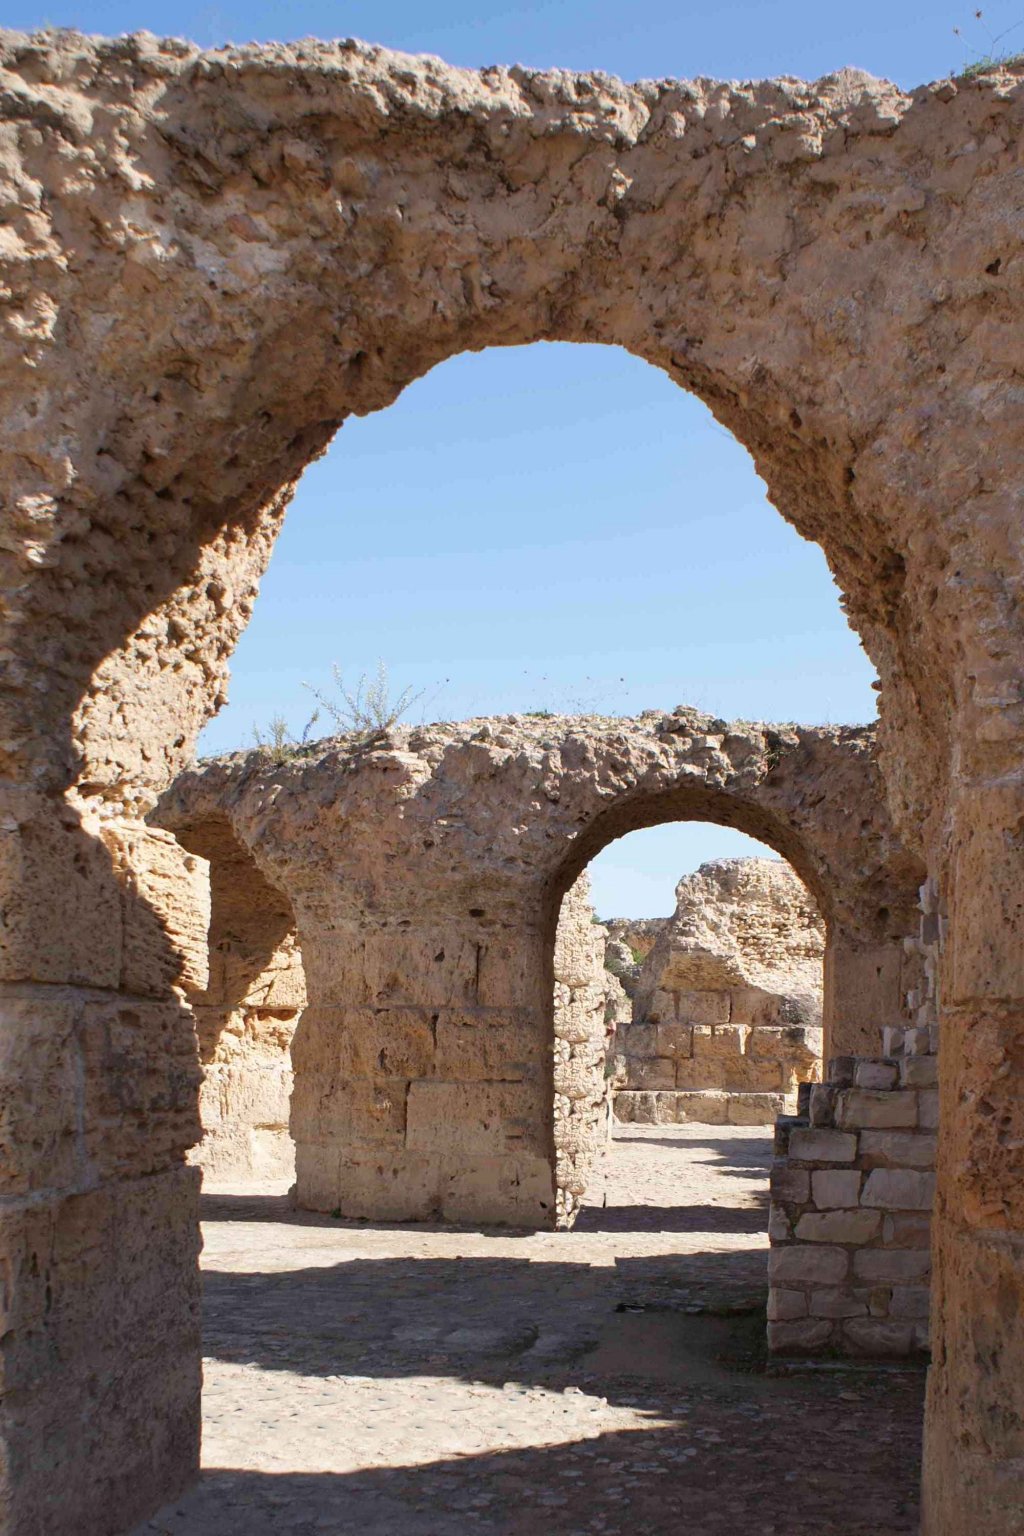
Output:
x=502 y=1190
x=877 y=1336
x=838 y=1226
x=790 y=1185
x=487 y=1043
x=835 y=1188
x=642 y=1040
x=919 y=1071
x=893 y=1266
x=897 y=1149
x=754 y=1108
x=804 y=1264
x=880 y=1075
x=897 y=1189
x=858 y=1108
x=814 y=1146
x=60 y=898
x=837 y=1303
x=745 y=1076
x=39 y=1096
x=784 y=1306
x=486 y=1118
x=653 y=1073
x=800 y=1337
x=721 y=1040
x=673 y=1040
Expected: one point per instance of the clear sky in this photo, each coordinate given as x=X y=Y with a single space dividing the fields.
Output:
x=558 y=527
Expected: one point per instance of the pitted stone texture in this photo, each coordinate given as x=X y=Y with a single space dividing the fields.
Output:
x=729 y=999
x=423 y=870
x=212 y=260
x=584 y=1030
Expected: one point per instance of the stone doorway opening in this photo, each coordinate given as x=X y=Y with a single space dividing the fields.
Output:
x=710 y=1015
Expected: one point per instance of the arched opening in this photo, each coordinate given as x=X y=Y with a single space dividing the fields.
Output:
x=709 y=1015
x=806 y=278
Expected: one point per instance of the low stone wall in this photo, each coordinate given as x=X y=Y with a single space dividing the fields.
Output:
x=247 y=1074
x=852 y=1189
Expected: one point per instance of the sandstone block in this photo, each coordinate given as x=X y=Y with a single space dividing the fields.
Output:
x=489 y=1119
x=860 y=1107
x=835 y=1188
x=803 y=1264
x=745 y=1076
x=893 y=1266
x=754 y=1108
x=785 y=1306
x=876 y=1336
x=642 y=1040
x=708 y=1108
x=788 y=1184
x=720 y=1040
x=803 y=1337
x=919 y=1071
x=503 y=1191
x=39 y=1100
x=897 y=1149
x=814 y=1146
x=881 y=1075
x=652 y=1074
x=673 y=1040
x=897 y=1189
x=838 y=1226
x=475 y=1044
x=837 y=1303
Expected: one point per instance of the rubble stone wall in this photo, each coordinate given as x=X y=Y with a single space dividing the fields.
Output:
x=211 y=261
x=727 y=1007
x=584 y=1026
x=246 y=1015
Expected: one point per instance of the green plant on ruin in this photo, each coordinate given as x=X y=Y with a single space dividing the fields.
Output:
x=371 y=710
x=992 y=59
x=277 y=743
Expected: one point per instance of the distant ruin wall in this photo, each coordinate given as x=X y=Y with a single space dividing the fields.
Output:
x=586 y=999
x=727 y=1006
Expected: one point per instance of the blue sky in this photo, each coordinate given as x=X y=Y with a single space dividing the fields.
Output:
x=558 y=527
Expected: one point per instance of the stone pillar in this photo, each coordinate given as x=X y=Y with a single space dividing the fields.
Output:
x=974 y=1440
x=865 y=986
x=103 y=926
x=423 y=1079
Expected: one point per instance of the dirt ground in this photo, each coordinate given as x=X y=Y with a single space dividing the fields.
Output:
x=421 y=1381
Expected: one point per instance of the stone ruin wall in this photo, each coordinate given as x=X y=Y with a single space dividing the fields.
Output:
x=585 y=1002
x=853 y=1187
x=213 y=260
x=728 y=1003
x=245 y=1015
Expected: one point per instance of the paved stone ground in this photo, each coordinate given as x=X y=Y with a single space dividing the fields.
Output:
x=420 y=1381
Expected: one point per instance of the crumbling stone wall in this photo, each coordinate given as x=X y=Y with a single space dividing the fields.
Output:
x=246 y=1015
x=211 y=260
x=727 y=1010
x=426 y=870
x=584 y=1027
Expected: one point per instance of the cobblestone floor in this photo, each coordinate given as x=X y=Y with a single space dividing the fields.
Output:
x=421 y=1381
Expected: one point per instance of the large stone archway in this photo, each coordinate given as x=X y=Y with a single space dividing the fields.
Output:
x=426 y=870
x=210 y=261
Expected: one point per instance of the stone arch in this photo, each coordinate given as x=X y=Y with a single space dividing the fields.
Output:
x=427 y=869
x=215 y=259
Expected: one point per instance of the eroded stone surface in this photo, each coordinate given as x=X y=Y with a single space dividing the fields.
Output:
x=211 y=260
x=728 y=1001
